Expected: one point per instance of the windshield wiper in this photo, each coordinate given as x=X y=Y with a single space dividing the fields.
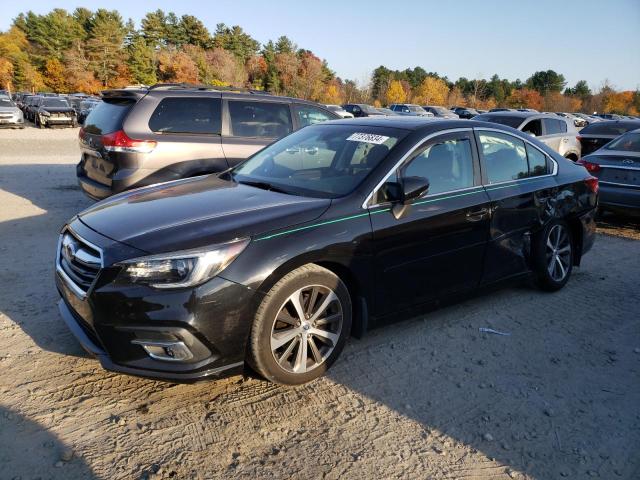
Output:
x=264 y=186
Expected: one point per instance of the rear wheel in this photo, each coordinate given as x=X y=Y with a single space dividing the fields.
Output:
x=553 y=256
x=301 y=326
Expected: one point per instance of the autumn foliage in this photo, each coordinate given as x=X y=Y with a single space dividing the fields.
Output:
x=88 y=51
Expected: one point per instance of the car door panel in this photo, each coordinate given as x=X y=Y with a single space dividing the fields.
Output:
x=436 y=247
x=519 y=207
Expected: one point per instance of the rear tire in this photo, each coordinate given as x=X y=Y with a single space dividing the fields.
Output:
x=301 y=326
x=552 y=251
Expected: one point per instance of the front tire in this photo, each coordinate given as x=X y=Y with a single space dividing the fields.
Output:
x=553 y=256
x=301 y=326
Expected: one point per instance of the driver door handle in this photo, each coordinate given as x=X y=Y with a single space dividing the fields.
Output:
x=477 y=215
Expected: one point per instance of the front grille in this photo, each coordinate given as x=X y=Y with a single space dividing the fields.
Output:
x=79 y=260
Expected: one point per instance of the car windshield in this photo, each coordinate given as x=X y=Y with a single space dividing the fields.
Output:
x=368 y=109
x=508 y=120
x=440 y=110
x=610 y=127
x=416 y=108
x=325 y=161
x=629 y=142
x=5 y=102
x=55 y=102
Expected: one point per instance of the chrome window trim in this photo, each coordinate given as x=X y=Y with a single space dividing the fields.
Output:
x=553 y=173
x=602 y=182
x=81 y=294
x=616 y=167
x=405 y=157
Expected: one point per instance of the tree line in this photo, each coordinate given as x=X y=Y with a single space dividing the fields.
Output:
x=88 y=51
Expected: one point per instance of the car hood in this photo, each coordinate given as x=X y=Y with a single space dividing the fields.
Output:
x=9 y=109
x=57 y=109
x=196 y=212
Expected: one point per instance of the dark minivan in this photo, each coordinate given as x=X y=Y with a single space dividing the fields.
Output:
x=597 y=135
x=142 y=136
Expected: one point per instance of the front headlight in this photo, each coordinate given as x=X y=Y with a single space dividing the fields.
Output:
x=44 y=113
x=187 y=268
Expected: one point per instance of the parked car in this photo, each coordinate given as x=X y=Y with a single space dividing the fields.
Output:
x=577 y=121
x=361 y=110
x=409 y=109
x=617 y=167
x=609 y=116
x=141 y=136
x=54 y=112
x=532 y=110
x=589 y=119
x=440 y=112
x=386 y=111
x=85 y=108
x=336 y=228
x=338 y=110
x=465 y=112
x=31 y=106
x=10 y=114
x=597 y=135
x=556 y=132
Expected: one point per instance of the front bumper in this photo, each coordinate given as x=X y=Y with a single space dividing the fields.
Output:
x=111 y=321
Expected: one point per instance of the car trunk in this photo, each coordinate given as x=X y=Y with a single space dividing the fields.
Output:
x=97 y=163
x=619 y=169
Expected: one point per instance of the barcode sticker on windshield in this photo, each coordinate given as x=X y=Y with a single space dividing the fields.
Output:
x=367 y=138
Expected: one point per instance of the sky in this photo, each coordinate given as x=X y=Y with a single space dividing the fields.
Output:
x=584 y=40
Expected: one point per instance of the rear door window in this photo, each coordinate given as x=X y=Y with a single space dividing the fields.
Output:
x=187 y=115
x=505 y=157
x=107 y=117
x=553 y=126
x=259 y=119
x=308 y=115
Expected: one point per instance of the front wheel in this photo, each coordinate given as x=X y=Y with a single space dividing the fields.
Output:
x=301 y=326
x=553 y=256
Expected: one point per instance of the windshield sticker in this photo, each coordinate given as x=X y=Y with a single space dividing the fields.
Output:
x=367 y=138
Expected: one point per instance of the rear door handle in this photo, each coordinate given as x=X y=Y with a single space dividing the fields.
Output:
x=477 y=215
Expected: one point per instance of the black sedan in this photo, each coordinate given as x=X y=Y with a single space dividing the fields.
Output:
x=617 y=167
x=598 y=134
x=336 y=228
x=53 y=112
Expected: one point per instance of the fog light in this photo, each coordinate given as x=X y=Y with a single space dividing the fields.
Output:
x=168 y=351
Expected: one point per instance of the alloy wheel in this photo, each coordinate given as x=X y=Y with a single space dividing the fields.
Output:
x=306 y=329
x=558 y=250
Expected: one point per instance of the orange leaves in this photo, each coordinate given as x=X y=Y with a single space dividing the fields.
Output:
x=525 y=98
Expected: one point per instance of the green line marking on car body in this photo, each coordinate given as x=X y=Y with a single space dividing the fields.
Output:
x=476 y=189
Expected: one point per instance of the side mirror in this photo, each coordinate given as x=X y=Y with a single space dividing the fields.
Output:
x=410 y=189
x=414 y=187
x=531 y=134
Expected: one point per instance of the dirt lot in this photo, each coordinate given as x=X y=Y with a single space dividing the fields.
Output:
x=427 y=398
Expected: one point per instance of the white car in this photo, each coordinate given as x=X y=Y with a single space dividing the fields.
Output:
x=337 y=109
x=10 y=114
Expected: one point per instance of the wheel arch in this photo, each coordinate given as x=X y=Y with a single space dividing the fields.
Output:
x=358 y=290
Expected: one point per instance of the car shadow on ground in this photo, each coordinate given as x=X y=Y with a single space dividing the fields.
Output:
x=29 y=450
x=29 y=233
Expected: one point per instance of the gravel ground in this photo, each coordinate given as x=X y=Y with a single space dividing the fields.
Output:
x=426 y=398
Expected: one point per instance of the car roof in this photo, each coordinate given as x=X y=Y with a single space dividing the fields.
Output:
x=185 y=89
x=411 y=123
x=524 y=115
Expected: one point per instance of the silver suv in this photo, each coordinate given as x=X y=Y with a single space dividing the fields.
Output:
x=559 y=133
x=141 y=136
